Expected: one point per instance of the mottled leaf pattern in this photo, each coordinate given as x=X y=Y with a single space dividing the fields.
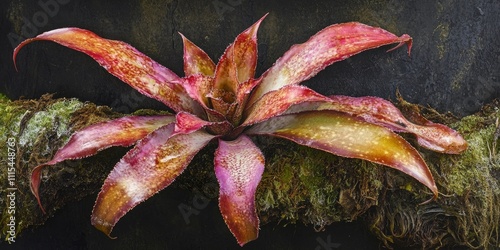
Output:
x=149 y=167
x=196 y=61
x=431 y=135
x=277 y=102
x=345 y=135
x=124 y=132
x=225 y=101
x=334 y=43
x=376 y=110
x=127 y=63
x=236 y=66
x=238 y=166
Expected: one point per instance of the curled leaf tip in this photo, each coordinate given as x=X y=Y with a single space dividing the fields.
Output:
x=405 y=39
x=17 y=49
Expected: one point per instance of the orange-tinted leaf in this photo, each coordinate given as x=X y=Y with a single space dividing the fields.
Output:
x=127 y=63
x=334 y=43
x=238 y=166
x=124 y=132
x=433 y=136
x=278 y=101
x=149 y=167
x=196 y=61
x=348 y=136
x=376 y=110
x=245 y=52
x=237 y=64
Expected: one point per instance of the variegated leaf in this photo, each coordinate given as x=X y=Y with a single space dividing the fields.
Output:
x=376 y=110
x=278 y=101
x=149 y=167
x=124 y=132
x=196 y=61
x=187 y=123
x=348 y=136
x=239 y=165
x=127 y=63
x=334 y=43
x=237 y=64
x=430 y=135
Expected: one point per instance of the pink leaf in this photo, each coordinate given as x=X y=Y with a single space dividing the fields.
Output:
x=196 y=61
x=278 y=101
x=348 y=136
x=120 y=132
x=376 y=110
x=430 y=135
x=334 y=43
x=149 y=167
x=237 y=64
x=197 y=87
x=245 y=52
x=238 y=166
x=126 y=63
x=187 y=123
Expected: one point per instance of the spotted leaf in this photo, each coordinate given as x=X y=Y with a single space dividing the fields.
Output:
x=376 y=110
x=348 y=136
x=124 y=132
x=238 y=166
x=127 y=63
x=279 y=101
x=196 y=61
x=149 y=167
x=334 y=43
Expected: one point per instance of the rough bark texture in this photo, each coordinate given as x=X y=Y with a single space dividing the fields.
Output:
x=298 y=185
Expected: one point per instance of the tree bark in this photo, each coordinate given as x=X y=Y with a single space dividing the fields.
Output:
x=299 y=183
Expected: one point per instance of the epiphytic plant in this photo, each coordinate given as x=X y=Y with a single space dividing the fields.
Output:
x=224 y=102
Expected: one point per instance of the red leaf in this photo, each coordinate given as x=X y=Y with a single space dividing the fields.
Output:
x=245 y=52
x=196 y=61
x=237 y=64
x=187 y=123
x=278 y=101
x=127 y=63
x=149 y=167
x=348 y=136
x=124 y=132
x=334 y=43
x=238 y=166
x=376 y=110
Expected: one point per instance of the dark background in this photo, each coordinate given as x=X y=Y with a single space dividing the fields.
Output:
x=454 y=66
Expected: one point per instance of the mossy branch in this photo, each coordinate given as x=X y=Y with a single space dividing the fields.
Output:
x=299 y=184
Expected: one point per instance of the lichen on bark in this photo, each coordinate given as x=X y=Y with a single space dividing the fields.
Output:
x=299 y=184
x=39 y=128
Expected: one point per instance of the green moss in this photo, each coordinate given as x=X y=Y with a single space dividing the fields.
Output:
x=469 y=169
x=299 y=184
x=312 y=186
x=11 y=116
x=467 y=211
x=55 y=116
x=38 y=128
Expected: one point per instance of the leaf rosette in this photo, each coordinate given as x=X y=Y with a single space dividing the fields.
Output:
x=225 y=103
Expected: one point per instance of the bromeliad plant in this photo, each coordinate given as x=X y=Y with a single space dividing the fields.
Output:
x=224 y=102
